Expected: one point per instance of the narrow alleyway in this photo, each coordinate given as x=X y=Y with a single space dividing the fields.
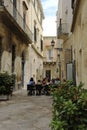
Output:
x=24 y=112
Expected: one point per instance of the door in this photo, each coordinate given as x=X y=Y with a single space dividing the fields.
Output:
x=74 y=71
x=69 y=71
x=13 y=57
x=23 y=64
x=48 y=74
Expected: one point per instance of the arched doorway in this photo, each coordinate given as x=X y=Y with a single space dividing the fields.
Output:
x=22 y=64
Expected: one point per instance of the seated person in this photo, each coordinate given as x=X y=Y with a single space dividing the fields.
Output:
x=31 y=82
x=38 y=87
x=30 y=86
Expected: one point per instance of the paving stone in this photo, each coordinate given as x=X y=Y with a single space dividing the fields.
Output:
x=24 y=112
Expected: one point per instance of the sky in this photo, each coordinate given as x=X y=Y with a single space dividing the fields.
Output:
x=49 y=23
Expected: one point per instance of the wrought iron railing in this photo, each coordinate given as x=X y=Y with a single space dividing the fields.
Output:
x=8 y=4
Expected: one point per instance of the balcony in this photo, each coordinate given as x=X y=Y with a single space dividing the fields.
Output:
x=14 y=21
x=62 y=31
x=50 y=61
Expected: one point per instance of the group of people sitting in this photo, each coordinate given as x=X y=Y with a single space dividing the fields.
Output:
x=41 y=87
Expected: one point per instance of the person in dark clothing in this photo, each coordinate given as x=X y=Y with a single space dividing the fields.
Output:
x=38 y=87
x=31 y=86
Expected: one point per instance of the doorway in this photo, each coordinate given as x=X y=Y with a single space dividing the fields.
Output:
x=48 y=74
x=22 y=71
x=69 y=71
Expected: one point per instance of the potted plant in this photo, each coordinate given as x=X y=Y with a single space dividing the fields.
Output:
x=7 y=82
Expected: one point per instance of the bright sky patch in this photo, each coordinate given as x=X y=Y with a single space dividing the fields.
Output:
x=49 y=23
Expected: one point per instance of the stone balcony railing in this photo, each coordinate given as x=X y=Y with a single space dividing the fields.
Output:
x=49 y=61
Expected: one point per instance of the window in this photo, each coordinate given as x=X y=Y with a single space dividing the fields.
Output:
x=18 y=5
x=34 y=3
x=38 y=39
x=13 y=56
x=0 y=51
x=41 y=45
x=72 y=4
x=25 y=8
x=60 y=21
x=41 y=19
x=49 y=54
x=24 y=19
x=14 y=3
x=14 y=8
x=35 y=33
x=1 y=2
x=48 y=74
x=23 y=63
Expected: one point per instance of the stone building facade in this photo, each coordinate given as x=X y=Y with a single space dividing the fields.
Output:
x=77 y=41
x=34 y=64
x=64 y=21
x=79 y=34
x=19 y=22
x=50 y=64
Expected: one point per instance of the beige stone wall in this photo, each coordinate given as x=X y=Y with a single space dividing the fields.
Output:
x=33 y=56
x=64 y=14
x=80 y=43
x=33 y=67
x=64 y=21
x=51 y=62
x=66 y=56
x=34 y=63
x=47 y=45
x=8 y=39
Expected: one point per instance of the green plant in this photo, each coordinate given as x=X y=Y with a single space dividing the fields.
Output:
x=69 y=107
x=7 y=83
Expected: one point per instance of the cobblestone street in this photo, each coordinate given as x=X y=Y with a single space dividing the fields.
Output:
x=24 y=112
